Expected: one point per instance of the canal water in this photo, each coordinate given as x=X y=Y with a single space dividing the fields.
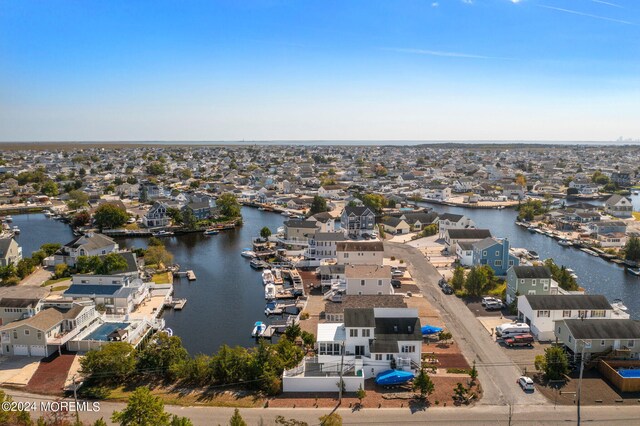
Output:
x=595 y=275
x=36 y=230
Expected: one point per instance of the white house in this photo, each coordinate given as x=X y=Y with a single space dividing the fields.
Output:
x=360 y=252
x=542 y=311
x=618 y=206
x=370 y=340
x=453 y=221
x=464 y=253
x=368 y=279
x=90 y=244
x=323 y=245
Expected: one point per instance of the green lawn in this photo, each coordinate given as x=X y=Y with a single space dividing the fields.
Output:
x=54 y=281
x=162 y=278
x=59 y=288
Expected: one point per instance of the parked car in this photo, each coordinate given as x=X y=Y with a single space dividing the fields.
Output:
x=396 y=283
x=447 y=289
x=526 y=383
x=397 y=273
x=511 y=329
x=366 y=236
x=442 y=282
x=494 y=305
x=519 y=340
x=489 y=299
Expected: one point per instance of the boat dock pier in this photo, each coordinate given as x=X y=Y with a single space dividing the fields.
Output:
x=176 y=304
x=191 y=276
x=278 y=327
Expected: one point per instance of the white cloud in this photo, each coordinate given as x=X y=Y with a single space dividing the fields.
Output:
x=467 y=1
x=575 y=12
x=440 y=53
x=435 y=4
x=515 y=1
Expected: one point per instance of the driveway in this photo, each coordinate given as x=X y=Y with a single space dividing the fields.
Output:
x=17 y=370
x=497 y=372
x=37 y=278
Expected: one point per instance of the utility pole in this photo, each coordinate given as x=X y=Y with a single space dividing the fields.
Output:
x=580 y=380
x=341 y=382
x=75 y=398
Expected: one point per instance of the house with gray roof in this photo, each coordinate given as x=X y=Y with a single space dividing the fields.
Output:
x=530 y=280
x=618 y=206
x=10 y=252
x=90 y=244
x=599 y=336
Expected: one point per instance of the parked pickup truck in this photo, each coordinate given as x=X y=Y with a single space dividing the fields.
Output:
x=519 y=340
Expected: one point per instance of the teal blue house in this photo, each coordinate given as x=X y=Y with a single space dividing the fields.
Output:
x=494 y=252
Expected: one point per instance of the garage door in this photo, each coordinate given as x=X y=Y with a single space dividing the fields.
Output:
x=38 y=350
x=20 y=350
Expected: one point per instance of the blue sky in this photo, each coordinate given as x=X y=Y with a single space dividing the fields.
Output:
x=345 y=69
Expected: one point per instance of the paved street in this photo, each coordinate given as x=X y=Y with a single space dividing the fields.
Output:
x=498 y=374
x=37 y=278
x=480 y=414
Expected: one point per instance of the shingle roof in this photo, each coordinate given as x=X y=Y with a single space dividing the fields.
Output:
x=300 y=224
x=331 y=269
x=451 y=217
x=569 y=301
x=329 y=236
x=4 y=245
x=367 y=271
x=531 y=272
x=43 y=320
x=354 y=317
x=357 y=210
x=398 y=329
x=486 y=243
x=366 y=301
x=593 y=329
x=360 y=246
x=91 y=242
x=468 y=234
x=14 y=302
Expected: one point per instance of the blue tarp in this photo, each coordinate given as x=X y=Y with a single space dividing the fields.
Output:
x=393 y=377
x=429 y=329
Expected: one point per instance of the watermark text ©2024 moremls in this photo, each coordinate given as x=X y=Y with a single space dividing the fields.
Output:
x=51 y=406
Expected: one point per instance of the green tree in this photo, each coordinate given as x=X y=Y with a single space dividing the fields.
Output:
x=457 y=281
x=155 y=241
x=116 y=358
x=361 y=394
x=236 y=419
x=25 y=267
x=228 y=205
x=632 y=249
x=333 y=419
x=265 y=232
x=423 y=384
x=81 y=218
x=444 y=336
x=156 y=168
x=185 y=174
x=111 y=263
x=375 y=202
x=180 y=421
x=459 y=392
x=77 y=199
x=554 y=363
x=156 y=255
x=143 y=409
x=175 y=215
x=476 y=282
x=599 y=178
x=189 y=219
x=110 y=216
x=318 y=205
x=162 y=353
x=50 y=188
x=561 y=276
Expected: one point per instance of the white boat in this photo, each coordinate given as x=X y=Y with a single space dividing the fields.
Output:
x=634 y=271
x=248 y=253
x=564 y=242
x=162 y=234
x=270 y=291
x=285 y=213
x=8 y=219
x=636 y=192
x=47 y=213
x=267 y=277
x=258 y=329
x=533 y=255
x=15 y=230
x=618 y=305
x=588 y=251
x=277 y=276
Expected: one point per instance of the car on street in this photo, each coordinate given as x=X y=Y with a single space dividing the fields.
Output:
x=447 y=289
x=526 y=383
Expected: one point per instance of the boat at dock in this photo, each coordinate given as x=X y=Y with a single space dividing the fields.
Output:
x=258 y=264
x=15 y=230
x=47 y=213
x=533 y=255
x=565 y=243
x=277 y=276
x=160 y=234
x=634 y=271
x=191 y=276
x=258 y=329
x=531 y=228
x=8 y=219
x=270 y=291
x=589 y=251
x=248 y=253
x=267 y=277
x=211 y=232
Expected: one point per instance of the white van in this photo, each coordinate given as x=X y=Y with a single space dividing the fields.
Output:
x=511 y=329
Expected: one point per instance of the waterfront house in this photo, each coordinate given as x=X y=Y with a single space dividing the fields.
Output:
x=149 y=191
x=116 y=299
x=419 y=220
x=464 y=252
x=201 y=210
x=357 y=220
x=608 y=227
x=618 y=206
x=453 y=221
x=299 y=230
x=494 y=253
x=368 y=279
x=513 y=191
x=47 y=331
x=529 y=280
x=360 y=252
x=542 y=311
x=322 y=245
x=89 y=244
x=331 y=273
x=334 y=312
x=368 y=342
x=157 y=216
x=13 y=308
x=595 y=337
x=325 y=222
x=10 y=251
x=452 y=236
x=613 y=240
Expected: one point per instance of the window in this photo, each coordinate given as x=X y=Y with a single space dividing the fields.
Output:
x=366 y=332
x=582 y=314
x=543 y=314
x=533 y=282
x=353 y=332
x=511 y=263
x=361 y=282
x=630 y=343
x=346 y=255
x=39 y=335
x=389 y=357
x=559 y=330
x=26 y=332
x=598 y=313
x=497 y=262
x=602 y=342
x=379 y=293
x=380 y=282
x=570 y=339
x=378 y=357
x=566 y=314
x=15 y=334
x=497 y=253
x=484 y=253
x=521 y=281
x=408 y=349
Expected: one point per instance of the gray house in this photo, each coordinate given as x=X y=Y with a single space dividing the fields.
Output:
x=618 y=206
x=598 y=336
x=529 y=280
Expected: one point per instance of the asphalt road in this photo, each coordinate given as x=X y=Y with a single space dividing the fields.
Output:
x=477 y=415
x=497 y=372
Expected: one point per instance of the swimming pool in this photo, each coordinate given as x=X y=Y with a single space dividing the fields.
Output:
x=105 y=329
x=629 y=373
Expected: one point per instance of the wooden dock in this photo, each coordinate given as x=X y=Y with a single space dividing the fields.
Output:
x=176 y=304
x=191 y=276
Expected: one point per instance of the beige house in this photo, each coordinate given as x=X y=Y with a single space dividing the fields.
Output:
x=368 y=279
x=46 y=332
x=360 y=252
x=13 y=309
x=10 y=252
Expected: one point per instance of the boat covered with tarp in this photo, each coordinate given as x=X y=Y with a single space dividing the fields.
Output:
x=393 y=377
